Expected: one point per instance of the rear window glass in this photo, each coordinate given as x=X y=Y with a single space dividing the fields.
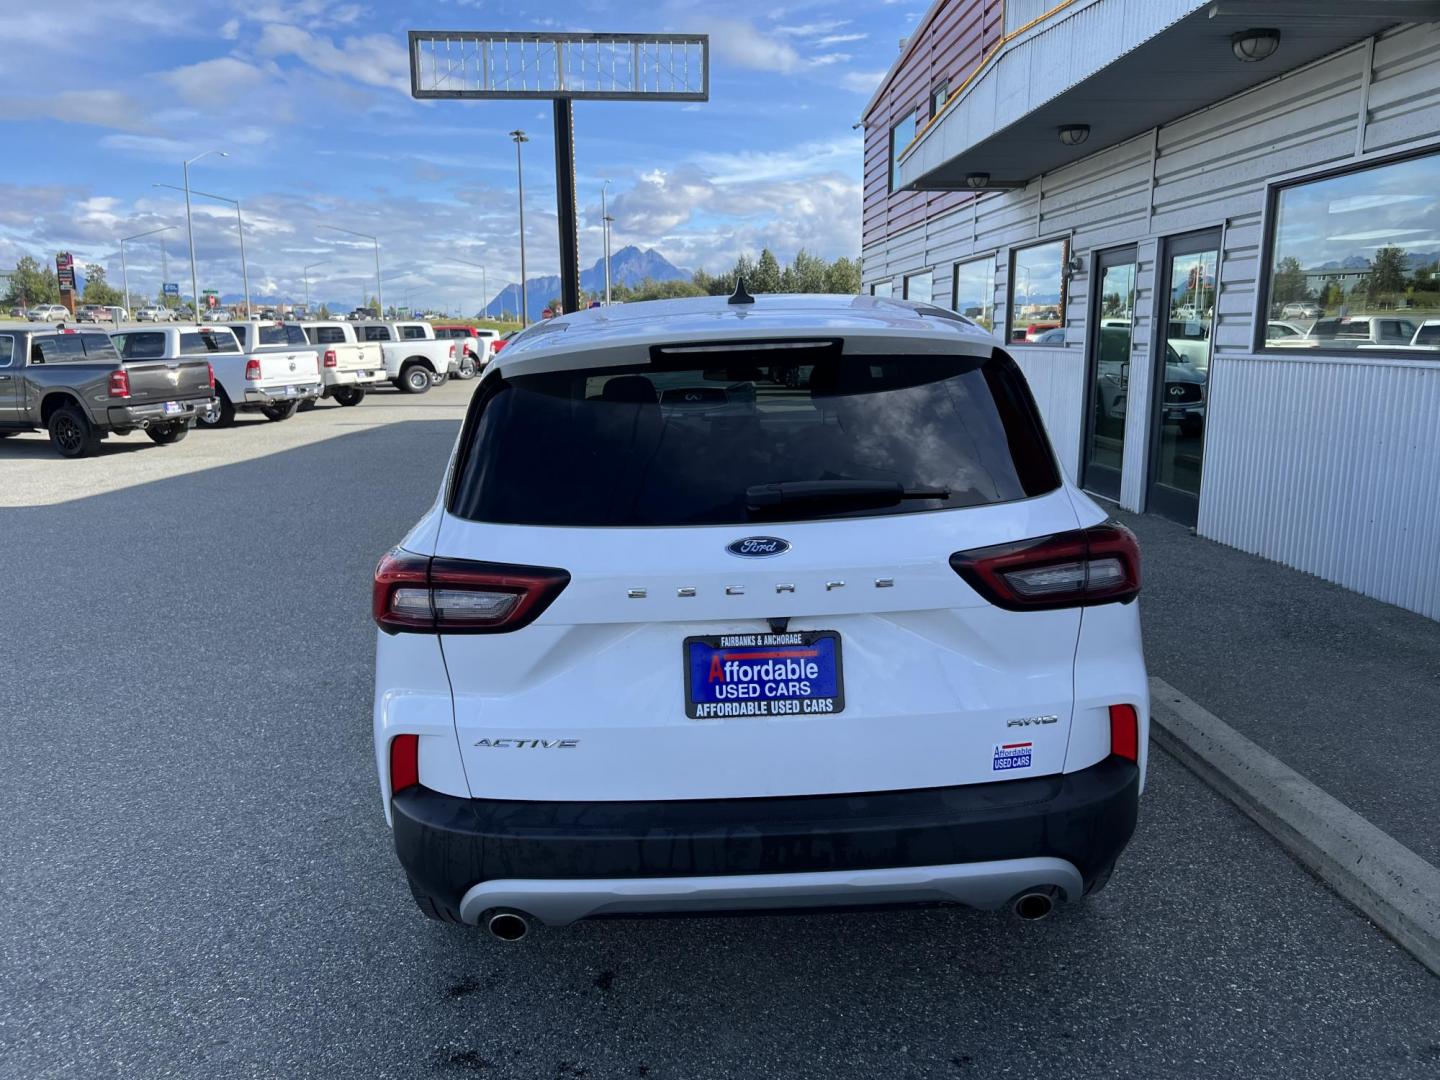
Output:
x=1429 y=334
x=328 y=335
x=286 y=334
x=58 y=349
x=374 y=333
x=208 y=341
x=674 y=444
x=141 y=345
x=412 y=333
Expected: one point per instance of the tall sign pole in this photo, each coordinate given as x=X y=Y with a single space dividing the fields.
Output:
x=563 y=68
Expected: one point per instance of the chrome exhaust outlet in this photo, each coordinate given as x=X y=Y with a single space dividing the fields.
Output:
x=1033 y=905
x=508 y=925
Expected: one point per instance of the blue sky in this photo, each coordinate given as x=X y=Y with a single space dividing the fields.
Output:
x=310 y=98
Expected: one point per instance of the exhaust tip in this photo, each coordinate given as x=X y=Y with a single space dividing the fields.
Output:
x=508 y=926
x=1031 y=906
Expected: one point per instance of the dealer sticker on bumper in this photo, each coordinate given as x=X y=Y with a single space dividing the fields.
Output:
x=763 y=675
x=1015 y=755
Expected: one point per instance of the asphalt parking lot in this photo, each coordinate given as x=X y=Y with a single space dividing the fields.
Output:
x=198 y=882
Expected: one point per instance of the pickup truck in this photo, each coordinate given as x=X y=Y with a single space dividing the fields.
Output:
x=271 y=382
x=75 y=385
x=414 y=359
x=350 y=366
x=476 y=342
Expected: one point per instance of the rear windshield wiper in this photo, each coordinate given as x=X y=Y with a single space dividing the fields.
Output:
x=856 y=493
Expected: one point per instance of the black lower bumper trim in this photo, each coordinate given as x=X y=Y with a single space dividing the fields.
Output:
x=447 y=844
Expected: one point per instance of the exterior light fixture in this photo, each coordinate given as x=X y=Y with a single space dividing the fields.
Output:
x=1252 y=46
x=1074 y=134
x=977 y=180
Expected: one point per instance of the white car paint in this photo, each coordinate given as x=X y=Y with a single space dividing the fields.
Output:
x=935 y=675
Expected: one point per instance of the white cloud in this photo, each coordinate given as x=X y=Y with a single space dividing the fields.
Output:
x=230 y=29
x=99 y=108
x=742 y=44
x=861 y=82
x=375 y=59
x=838 y=39
x=212 y=83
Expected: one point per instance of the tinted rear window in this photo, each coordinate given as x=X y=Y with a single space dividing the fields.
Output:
x=674 y=444
x=287 y=334
x=328 y=335
x=413 y=333
x=207 y=341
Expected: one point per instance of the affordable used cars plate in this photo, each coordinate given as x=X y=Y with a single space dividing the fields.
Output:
x=792 y=674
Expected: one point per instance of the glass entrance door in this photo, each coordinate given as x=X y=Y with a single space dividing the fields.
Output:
x=1109 y=372
x=1182 y=371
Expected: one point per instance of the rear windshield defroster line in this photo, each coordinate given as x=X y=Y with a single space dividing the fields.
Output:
x=681 y=443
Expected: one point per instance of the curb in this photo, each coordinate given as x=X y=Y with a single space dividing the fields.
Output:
x=1397 y=889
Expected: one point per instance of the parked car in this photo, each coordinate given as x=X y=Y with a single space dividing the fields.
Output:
x=503 y=340
x=476 y=345
x=19 y=313
x=1053 y=336
x=77 y=387
x=273 y=383
x=350 y=366
x=1276 y=330
x=1301 y=309
x=414 y=359
x=1427 y=334
x=154 y=314
x=48 y=313
x=1358 y=331
x=639 y=655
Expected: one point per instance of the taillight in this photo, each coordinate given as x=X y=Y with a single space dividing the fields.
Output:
x=404 y=762
x=424 y=595
x=1079 y=568
x=120 y=383
x=452 y=352
x=252 y=370
x=330 y=360
x=211 y=369
x=1125 y=732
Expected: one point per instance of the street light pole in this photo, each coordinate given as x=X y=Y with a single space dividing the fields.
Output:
x=239 y=225
x=484 y=298
x=306 y=274
x=605 y=234
x=379 y=292
x=520 y=137
x=125 y=269
x=190 y=230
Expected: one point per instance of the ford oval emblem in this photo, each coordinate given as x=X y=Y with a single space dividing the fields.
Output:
x=758 y=547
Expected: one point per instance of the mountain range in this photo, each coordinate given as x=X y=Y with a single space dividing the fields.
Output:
x=628 y=266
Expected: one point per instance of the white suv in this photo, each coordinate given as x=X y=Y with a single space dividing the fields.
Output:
x=767 y=603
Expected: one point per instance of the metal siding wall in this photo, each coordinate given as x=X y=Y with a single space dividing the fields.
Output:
x=1328 y=465
x=1332 y=467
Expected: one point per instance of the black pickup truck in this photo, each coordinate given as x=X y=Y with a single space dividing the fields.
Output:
x=73 y=384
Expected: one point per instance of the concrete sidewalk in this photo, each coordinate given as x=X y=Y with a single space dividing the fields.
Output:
x=1343 y=689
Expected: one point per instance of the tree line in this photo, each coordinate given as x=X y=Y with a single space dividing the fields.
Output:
x=32 y=283
x=1387 y=283
x=806 y=274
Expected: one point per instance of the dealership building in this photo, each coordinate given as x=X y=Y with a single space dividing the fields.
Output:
x=1210 y=234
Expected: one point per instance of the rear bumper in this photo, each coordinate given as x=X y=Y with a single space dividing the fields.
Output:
x=978 y=845
x=272 y=395
x=368 y=377
x=131 y=416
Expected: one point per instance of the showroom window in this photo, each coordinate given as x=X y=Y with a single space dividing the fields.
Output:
x=919 y=286
x=901 y=135
x=1037 y=294
x=884 y=289
x=1354 y=262
x=973 y=291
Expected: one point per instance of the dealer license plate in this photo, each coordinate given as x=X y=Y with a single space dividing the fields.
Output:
x=171 y=408
x=739 y=675
x=289 y=391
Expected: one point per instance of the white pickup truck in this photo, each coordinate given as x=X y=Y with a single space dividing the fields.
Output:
x=414 y=359
x=349 y=366
x=273 y=382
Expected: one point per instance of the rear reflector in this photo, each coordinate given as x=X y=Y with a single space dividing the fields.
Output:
x=1079 y=568
x=418 y=594
x=1125 y=732
x=404 y=762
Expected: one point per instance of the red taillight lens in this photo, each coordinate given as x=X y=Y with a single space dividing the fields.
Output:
x=1098 y=565
x=404 y=762
x=452 y=352
x=330 y=360
x=1125 y=732
x=120 y=383
x=252 y=370
x=456 y=596
x=211 y=369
